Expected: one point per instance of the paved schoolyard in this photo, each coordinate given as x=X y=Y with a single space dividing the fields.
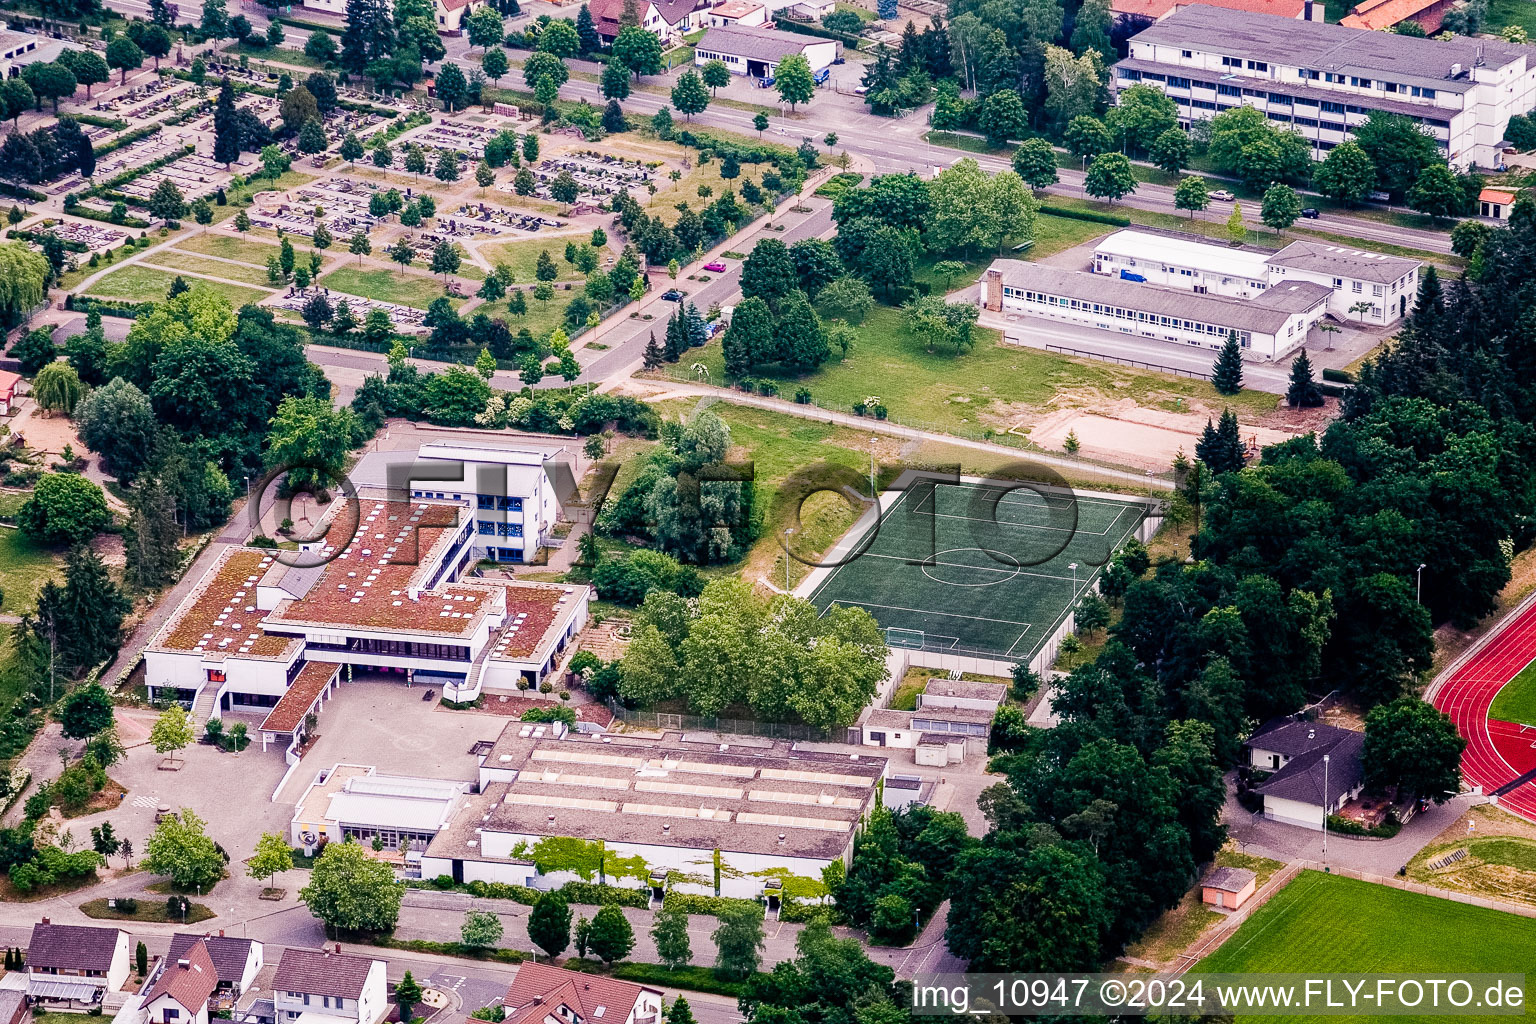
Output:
x=381 y=722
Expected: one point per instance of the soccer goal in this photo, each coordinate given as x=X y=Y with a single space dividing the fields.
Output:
x=912 y=639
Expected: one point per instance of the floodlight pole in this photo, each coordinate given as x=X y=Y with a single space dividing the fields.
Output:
x=787 y=531
x=1326 y=808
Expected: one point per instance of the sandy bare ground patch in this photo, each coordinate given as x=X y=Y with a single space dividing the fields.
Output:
x=1128 y=433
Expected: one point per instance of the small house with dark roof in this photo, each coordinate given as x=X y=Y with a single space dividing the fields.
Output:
x=71 y=966
x=327 y=986
x=236 y=961
x=1317 y=770
x=1228 y=888
x=181 y=990
x=13 y=1006
x=541 y=994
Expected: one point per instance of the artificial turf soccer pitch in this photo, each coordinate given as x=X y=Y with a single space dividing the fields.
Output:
x=1326 y=924
x=980 y=568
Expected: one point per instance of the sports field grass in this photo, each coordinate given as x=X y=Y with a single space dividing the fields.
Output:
x=1516 y=701
x=146 y=284
x=1325 y=923
x=987 y=570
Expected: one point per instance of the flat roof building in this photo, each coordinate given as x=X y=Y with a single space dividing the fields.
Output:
x=379 y=589
x=1322 y=80
x=1366 y=287
x=352 y=801
x=669 y=806
x=1269 y=325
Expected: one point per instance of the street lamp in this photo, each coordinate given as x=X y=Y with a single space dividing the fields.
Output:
x=1073 y=567
x=1327 y=809
x=1418 y=586
x=787 y=531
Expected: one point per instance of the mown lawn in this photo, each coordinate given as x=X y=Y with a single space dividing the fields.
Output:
x=965 y=394
x=243 y=249
x=1325 y=923
x=172 y=259
x=1511 y=12
x=1516 y=701
x=145 y=284
x=541 y=317
x=24 y=566
x=387 y=286
x=523 y=256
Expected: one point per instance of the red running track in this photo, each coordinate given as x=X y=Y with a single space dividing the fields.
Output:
x=1497 y=752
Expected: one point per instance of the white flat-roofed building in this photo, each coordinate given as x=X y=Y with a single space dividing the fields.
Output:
x=515 y=493
x=1181 y=263
x=351 y=801
x=1271 y=325
x=1366 y=287
x=1322 y=80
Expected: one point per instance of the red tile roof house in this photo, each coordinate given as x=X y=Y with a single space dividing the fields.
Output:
x=183 y=987
x=667 y=20
x=8 y=383
x=73 y=966
x=327 y=986
x=541 y=994
x=236 y=961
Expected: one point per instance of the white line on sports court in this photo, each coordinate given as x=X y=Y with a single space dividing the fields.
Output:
x=979 y=568
x=929 y=611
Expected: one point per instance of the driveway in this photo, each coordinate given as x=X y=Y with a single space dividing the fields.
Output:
x=1260 y=836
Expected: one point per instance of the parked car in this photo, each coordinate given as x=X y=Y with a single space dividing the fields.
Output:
x=765 y=83
x=1223 y=195
x=672 y=295
x=716 y=267
x=1310 y=213
x=1378 y=196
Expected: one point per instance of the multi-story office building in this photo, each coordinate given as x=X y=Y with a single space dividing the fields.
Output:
x=1321 y=80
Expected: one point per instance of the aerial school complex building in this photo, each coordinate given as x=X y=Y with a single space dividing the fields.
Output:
x=1322 y=80
x=380 y=588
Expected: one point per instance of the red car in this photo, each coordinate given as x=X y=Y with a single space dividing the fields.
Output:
x=715 y=268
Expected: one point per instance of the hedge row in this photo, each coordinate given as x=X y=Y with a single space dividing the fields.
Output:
x=1338 y=376
x=1089 y=215
x=125 y=139
x=505 y=956
x=21 y=192
x=117 y=124
x=90 y=213
x=689 y=903
x=126 y=310
x=588 y=893
x=812 y=29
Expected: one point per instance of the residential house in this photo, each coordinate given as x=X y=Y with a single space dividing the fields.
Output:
x=541 y=994
x=1323 y=80
x=1227 y=888
x=1385 y=15
x=236 y=960
x=737 y=13
x=73 y=966
x=327 y=986
x=668 y=20
x=1138 y=14
x=1316 y=770
x=9 y=382
x=182 y=988
x=451 y=14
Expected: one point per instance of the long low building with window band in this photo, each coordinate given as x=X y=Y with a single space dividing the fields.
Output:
x=1270 y=325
